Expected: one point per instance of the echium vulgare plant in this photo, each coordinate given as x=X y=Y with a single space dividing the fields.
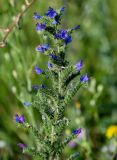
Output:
x=51 y=101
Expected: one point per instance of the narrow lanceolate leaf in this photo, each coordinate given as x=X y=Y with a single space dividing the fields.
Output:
x=61 y=124
x=74 y=156
x=33 y=151
x=70 y=77
x=50 y=93
x=36 y=133
x=52 y=77
x=65 y=73
x=71 y=92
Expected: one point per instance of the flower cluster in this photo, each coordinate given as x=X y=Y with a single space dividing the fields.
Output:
x=54 y=17
x=62 y=35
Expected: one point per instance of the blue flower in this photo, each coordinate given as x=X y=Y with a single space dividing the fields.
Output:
x=57 y=18
x=76 y=27
x=53 y=56
x=84 y=78
x=19 y=119
x=77 y=131
x=49 y=65
x=38 y=70
x=62 y=9
x=42 y=48
x=21 y=145
x=51 y=13
x=68 y=39
x=55 y=22
x=36 y=16
x=79 y=65
x=27 y=104
x=62 y=34
x=40 y=26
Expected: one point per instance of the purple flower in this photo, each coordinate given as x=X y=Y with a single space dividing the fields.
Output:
x=49 y=65
x=77 y=131
x=36 y=16
x=40 y=26
x=84 y=78
x=19 y=119
x=62 y=9
x=42 y=48
x=79 y=65
x=38 y=70
x=21 y=145
x=76 y=27
x=27 y=104
x=51 y=13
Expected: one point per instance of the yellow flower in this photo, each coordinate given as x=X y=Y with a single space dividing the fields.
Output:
x=77 y=104
x=111 y=131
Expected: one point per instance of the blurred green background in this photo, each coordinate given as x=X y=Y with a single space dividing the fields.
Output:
x=94 y=108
